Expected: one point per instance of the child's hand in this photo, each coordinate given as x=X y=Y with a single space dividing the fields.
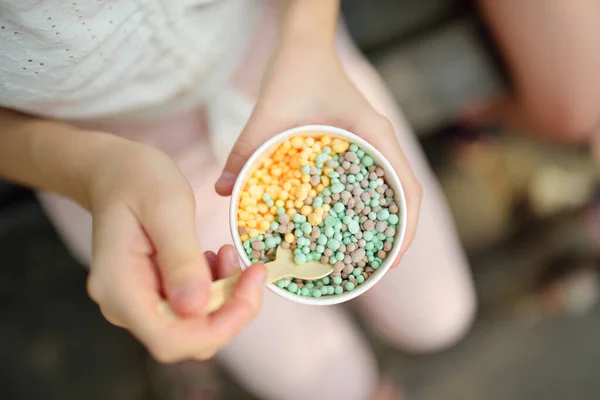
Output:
x=311 y=87
x=145 y=248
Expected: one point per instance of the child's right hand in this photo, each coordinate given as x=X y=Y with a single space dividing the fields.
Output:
x=145 y=250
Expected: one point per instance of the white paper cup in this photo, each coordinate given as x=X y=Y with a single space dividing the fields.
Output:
x=391 y=178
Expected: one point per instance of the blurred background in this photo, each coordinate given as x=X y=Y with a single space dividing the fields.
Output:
x=528 y=215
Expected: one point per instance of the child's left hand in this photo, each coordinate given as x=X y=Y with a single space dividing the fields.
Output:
x=304 y=87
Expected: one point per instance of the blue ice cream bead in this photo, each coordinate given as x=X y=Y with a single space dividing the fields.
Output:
x=292 y=287
x=349 y=286
x=317 y=293
x=333 y=244
x=300 y=258
x=367 y=160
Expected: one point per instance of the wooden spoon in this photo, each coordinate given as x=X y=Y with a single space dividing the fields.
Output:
x=282 y=267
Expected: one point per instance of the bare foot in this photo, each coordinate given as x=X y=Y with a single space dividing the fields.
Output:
x=387 y=390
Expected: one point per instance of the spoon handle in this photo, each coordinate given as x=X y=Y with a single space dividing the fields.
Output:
x=222 y=289
x=220 y=292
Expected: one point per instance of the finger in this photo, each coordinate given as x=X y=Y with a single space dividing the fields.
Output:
x=381 y=135
x=241 y=308
x=254 y=134
x=170 y=222
x=228 y=262
x=211 y=260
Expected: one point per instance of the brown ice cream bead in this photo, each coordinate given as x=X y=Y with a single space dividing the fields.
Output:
x=350 y=156
x=385 y=186
x=258 y=245
x=350 y=212
x=349 y=187
x=340 y=170
x=365 y=196
x=296 y=280
x=376 y=209
x=362 y=243
x=343 y=179
x=315 y=179
x=358 y=235
x=382 y=201
x=369 y=270
x=314 y=170
x=334 y=274
x=308 y=201
x=344 y=276
x=290 y=227
x=372 y=176
x=316 y=232
x=364 y=184
x=347 y=259
x=346 y=164
x=312 y=246
x=324 y=260
x=389 y=193
x=284 y=219
x=379 y=171
x=345 y=195
x=339 y=266
x=358 y=255
x=325 y=215
x=335 y=196
x=354 y=282
x=361 y=264
x=350 y=248
x=328 y=252
x=387 y=246
x=285 y=245
x=351 y=203
x=369 y=225
x=348 y=268
x=380 y=226
x=327 y=200
x=366 y=210
x=342 y=248
x=365 y=275
x=354 y=169
x=390 y=232
x=300 y=285
x=282 y=228
x=357 y=190
x=380 y=189
x=363 y=218
x=344 y=227
x=242 y=230
x=394 y=208
x=330 y=163
x=381 y=254
x=372 y=193
x=256 y=254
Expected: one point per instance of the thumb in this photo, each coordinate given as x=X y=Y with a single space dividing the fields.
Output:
x=185 y=273
x=254 y=134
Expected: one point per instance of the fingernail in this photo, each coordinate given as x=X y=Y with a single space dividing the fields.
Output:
x=261 y=278
x=226 y=179
x=234 y=259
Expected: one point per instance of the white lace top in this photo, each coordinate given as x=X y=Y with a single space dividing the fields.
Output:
x=89 y=59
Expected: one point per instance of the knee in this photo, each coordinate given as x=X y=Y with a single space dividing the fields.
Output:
x=442 y=323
